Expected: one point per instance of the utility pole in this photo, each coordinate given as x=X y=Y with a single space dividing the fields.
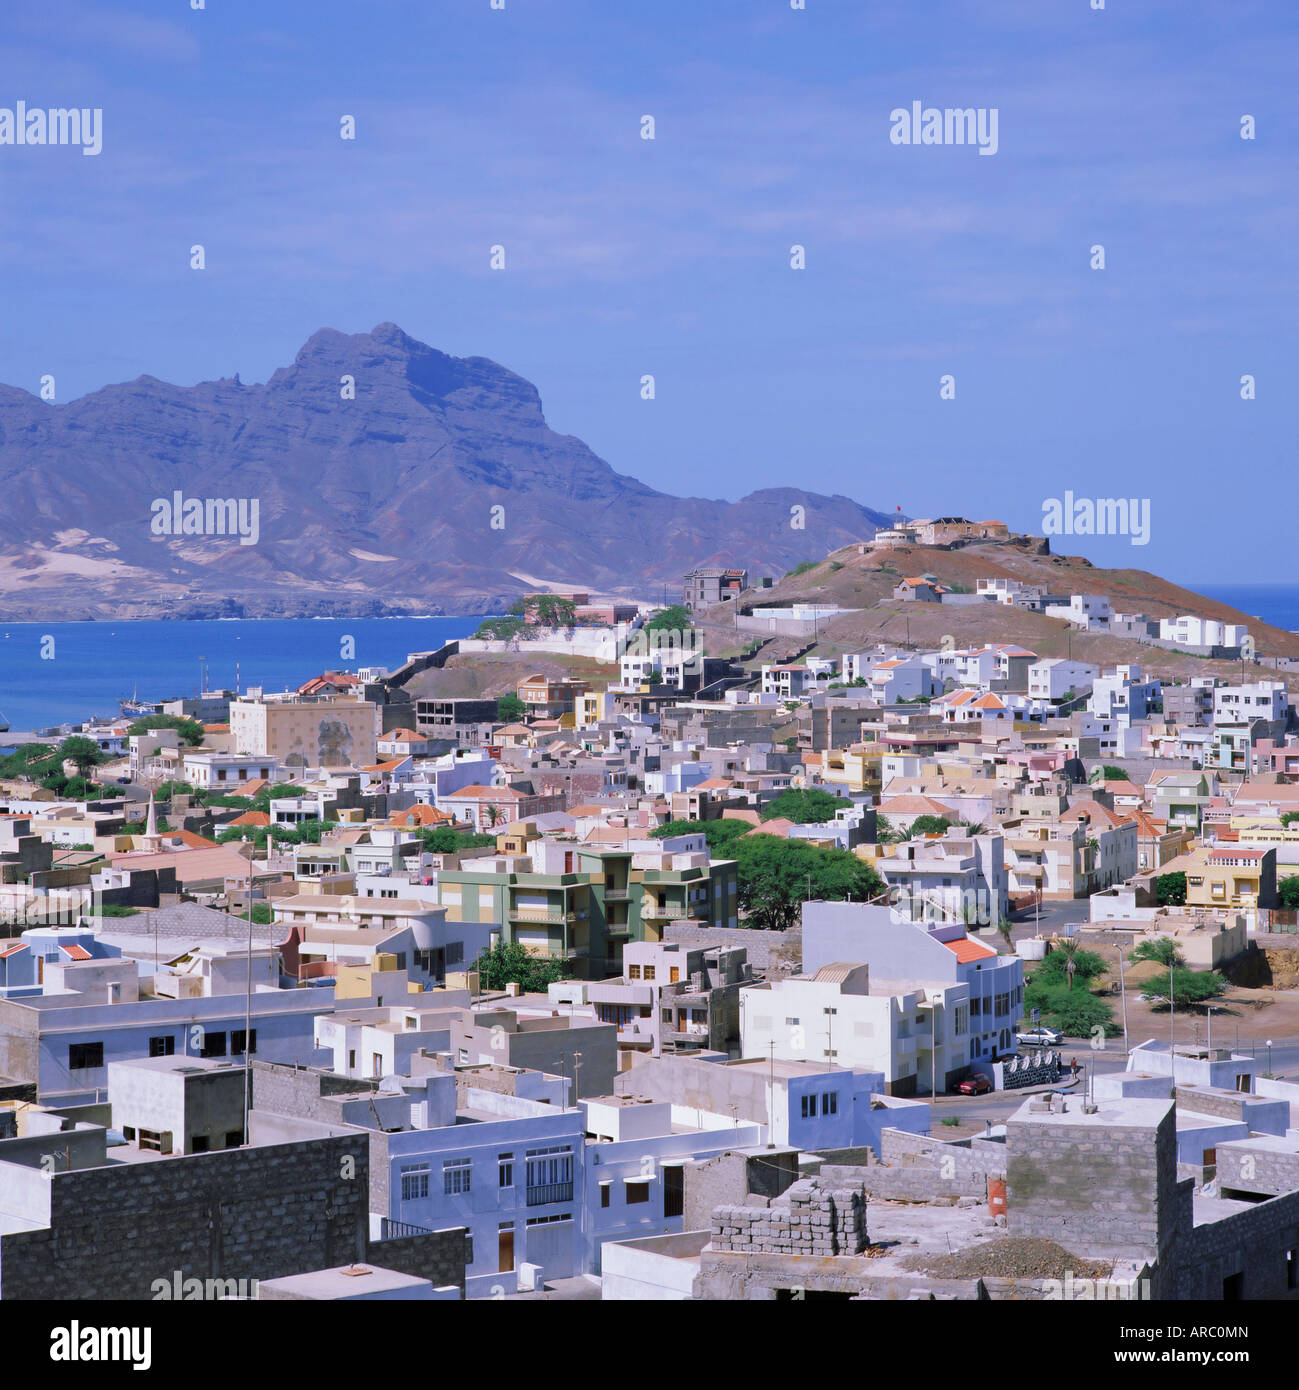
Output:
x=1172 y=1041
x=1123 y=995
x=248 y=1004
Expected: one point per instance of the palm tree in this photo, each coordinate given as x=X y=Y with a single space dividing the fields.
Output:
x=1004 y=929
x=1069 y=949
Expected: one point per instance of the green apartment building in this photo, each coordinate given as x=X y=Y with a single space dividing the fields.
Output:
x=589 y=902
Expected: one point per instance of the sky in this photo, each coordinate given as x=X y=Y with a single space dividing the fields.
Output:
x=624 y=257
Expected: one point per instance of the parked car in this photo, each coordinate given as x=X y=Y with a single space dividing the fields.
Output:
x=1039 y=1037
x=974 y=1086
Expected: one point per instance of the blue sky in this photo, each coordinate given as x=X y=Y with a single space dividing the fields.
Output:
x=671 y=257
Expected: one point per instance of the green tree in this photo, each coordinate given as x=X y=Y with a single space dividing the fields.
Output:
x=443 y=839
x=674 y=618
x=802 y=568
x=262 y=914
x=718 y=834
x=1165 y=950
x=190 y=730
x=508 y=963
x=928 y=825
x=804 y=806
x=499 y=629
x=1189 y=987
x=775 y=877
x=1170 y=890
x=1287 y=891
x=510 y=709
x=1109 y=773
x=546 y=610
x=1075 y=1013
x=82 y=751
x=1054 y=970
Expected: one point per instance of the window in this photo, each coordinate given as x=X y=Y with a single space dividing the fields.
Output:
x=83 y=1056
x=649 y=972
x=674 y=975
x=505 y=1170
x=414 y=1184
x=456 y=1175
x=605 y=1189
x=237 y=1043
x=830 y=1103
x=214 y=1045
x=667 y=1015
x=234 y=1138
x=633 y=972
x=638 y=1192
x=198 y=1143
x=808 y=1107
x=550 y=1175
x=162 y=1047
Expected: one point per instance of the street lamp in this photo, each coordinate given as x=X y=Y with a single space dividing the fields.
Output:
x=1269 y=1056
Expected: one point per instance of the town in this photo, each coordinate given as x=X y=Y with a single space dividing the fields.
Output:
x=695 y=954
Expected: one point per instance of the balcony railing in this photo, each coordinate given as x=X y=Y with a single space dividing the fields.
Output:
x=551 y=1192
x=664 y=910
x=544 y=914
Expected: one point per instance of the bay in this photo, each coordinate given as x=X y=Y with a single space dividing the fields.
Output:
x=54 y=673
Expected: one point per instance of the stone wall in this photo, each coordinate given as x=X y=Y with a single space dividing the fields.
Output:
x=730 y=1178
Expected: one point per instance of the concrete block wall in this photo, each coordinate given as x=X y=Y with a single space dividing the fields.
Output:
x=809 y=1219
x=1103 y=1190
x=982 y=1158
x=1247 y=1167
x=1252 y=1254
x=730 y=1178
x=914 y=1182
x=441 y=1256
x=259 y=1213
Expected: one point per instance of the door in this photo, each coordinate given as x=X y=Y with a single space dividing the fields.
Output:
x=505 y=1251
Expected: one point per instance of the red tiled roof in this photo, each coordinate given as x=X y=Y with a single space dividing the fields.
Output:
x=967 y=949
x=77 y=952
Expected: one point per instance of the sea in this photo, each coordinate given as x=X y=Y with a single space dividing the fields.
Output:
x=1277 y=604
x=57 y=673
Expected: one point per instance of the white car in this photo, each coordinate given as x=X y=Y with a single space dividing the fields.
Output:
x=1040 y=1037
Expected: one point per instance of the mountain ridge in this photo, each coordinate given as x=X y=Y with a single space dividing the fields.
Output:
x=410 y=469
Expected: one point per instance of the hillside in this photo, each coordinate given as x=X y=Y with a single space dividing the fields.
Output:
x=853 y=580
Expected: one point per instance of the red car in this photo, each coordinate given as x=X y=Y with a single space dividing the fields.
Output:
x=974 y=1086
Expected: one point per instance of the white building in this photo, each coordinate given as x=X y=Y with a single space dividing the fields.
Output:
x=1052 y=679
x=838 y=1016
x=1239 y=704
x=1190 y=631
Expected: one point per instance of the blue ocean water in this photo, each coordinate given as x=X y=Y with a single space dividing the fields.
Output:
x=1277 y=604
x=90 y=666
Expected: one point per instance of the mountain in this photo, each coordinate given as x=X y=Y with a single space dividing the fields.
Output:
x=378 y=504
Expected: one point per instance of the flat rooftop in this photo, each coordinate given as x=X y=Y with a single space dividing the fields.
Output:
x=1127 y=1112
x=348 y=1282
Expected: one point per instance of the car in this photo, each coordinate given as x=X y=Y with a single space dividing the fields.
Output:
x=1040 y=1037
x=974 y=1086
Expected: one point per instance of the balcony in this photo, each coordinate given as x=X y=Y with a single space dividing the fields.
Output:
x=669 y=910
x=544 y=914
x=551 y=1192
